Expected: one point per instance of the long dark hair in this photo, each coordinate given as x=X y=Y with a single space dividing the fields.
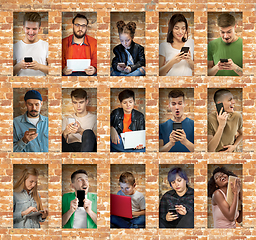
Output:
x=174 y=19
x=212 y=185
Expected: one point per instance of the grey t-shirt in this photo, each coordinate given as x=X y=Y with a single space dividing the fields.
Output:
x=138 y=200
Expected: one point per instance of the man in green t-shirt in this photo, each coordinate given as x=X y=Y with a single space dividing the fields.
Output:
x=74 y=216
x=225 y=54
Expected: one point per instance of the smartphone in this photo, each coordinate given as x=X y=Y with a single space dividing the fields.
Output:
x=219 y=106
x=172 y=210
x=230 y=194
x=32 y=130
x=71 y=120
x=121 y=65
x=81 y=197
x=223 y=60
x=177 y=126
x=184 y=50
x=28 y=59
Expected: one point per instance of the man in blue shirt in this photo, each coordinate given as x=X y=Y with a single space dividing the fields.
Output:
x=30 y=131
x=180 y=140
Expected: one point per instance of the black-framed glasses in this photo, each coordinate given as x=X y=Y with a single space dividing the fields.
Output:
x=79 y=25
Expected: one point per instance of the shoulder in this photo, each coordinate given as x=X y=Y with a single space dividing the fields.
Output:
x=218 y=195
x=18 y=43
x=188 y=120
x=139 y=194
x=167 y=123
x=164 y=44
x=190 y=41
x=68 y=195
x=44 y=118
x=91 y=39
x=118 y=48
x=137 y=113
x=138 y=45
x=18 y=119
x=91 y=196
x=117 y=111
x=190 y=191
x=169 y=194
x=212 y=116
x=91 y=115
x=44 y=43
x=236 y=116
x=67 y=39
x=120 y=193
x=215 y=42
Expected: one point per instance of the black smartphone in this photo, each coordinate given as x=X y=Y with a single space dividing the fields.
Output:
x=81 y=197
x=184 y=50
x=28 y=59
x=177 y=126
x=219 y=106
x=223 y=149
x=223 y=60
x=172 y=210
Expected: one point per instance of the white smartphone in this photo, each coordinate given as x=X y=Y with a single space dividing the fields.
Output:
x=71 y=120
x=121 y=65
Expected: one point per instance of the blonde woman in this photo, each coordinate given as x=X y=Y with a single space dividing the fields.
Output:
x=27 y=206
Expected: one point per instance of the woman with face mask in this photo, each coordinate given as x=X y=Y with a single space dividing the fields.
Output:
x=176 y=208
x=224 y=215
x=174 y=60
x=27 y=206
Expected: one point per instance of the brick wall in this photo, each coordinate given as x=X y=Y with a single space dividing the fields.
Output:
x=104 y=83
x=19 y=106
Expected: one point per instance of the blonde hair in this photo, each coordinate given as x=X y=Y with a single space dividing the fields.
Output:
x=20 y=185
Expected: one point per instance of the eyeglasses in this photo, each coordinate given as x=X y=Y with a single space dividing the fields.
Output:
x=79 y=25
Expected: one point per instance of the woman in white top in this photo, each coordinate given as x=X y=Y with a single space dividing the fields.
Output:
x=173 y=62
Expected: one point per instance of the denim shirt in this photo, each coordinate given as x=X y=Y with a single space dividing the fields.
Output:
x=21 y=202
x=21 y=124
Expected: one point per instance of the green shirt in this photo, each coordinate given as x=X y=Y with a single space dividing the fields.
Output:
x=67 y=198
x=218 y=49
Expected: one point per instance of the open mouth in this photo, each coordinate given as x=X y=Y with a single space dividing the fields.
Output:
x=85 y=187
x=223 y=179
x=177 y=112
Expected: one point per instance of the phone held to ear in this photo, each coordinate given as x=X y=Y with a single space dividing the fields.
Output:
x=219 y=106
x=176 y=126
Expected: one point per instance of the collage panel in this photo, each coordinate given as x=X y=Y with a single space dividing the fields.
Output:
x=79 y=43
x=30 y=120
x=79 y=120
x=127 y=196
x=127 y=120
x=30 y=44
x=79 y=196
x=176 y=196
x=176 y=120
x=30 y=196
x=225 y=44
x=225 y=120
x=127 y=44
x=176 y=44
x=225 y=209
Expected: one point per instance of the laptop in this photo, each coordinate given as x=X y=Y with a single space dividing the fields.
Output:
x=133 y=139
x=120 y=206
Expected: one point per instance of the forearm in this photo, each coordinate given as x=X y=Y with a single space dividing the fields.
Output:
x=139 y=213
x=19 y=146
x=189 y=145
x=238 y=140
x=66 y=216
x=191 y=64
x=93 y=216
x=213 y=71
x=238 y=70
x=16 y=69
x=233 y=207
x=214 y=142
x=43 y=68
x=166 y=147
x=166 y=68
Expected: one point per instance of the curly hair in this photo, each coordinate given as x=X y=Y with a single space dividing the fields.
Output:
x=128 y=28
x=212 y=185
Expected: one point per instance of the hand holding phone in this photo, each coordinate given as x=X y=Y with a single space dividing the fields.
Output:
x=28 y=59
x=219 y=106
x=184 y=50
x=32 y=130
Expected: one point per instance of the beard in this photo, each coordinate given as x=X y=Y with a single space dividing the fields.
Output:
x=79 y=36
x=33 y=113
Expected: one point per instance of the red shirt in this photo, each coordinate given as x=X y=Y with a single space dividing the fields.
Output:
x=88 y=50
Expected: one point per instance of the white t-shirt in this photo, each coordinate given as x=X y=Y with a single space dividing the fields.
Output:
x=138 y=200
x=34 y=121
x=178 y=69
x=89 y=121
x=38 y=51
